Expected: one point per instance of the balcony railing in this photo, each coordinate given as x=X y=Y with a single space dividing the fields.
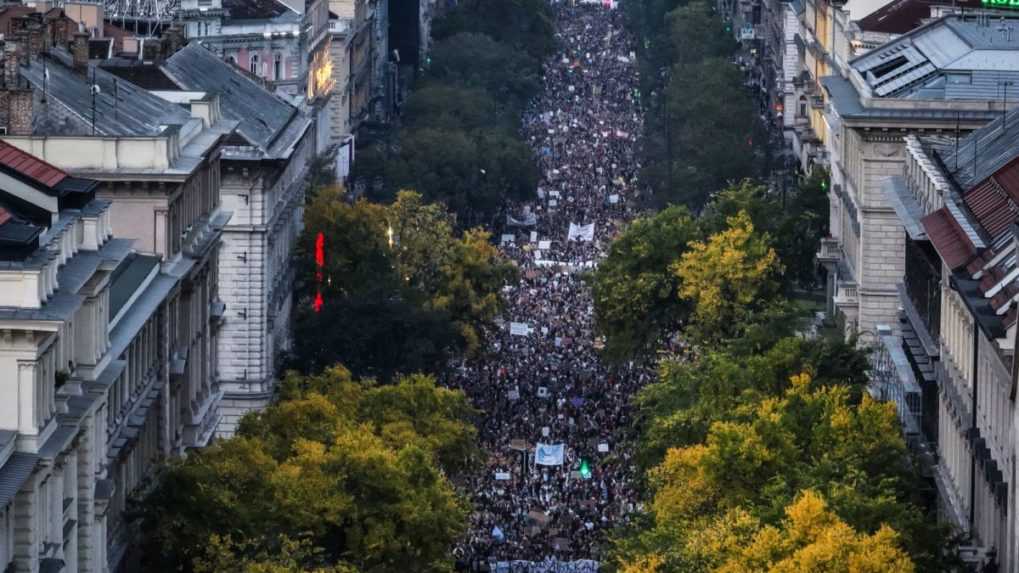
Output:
x=830 y=252
x=846 y=294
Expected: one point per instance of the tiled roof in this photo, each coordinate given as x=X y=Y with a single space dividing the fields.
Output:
x=948 y=238
x=993 y=207
x=30 y=166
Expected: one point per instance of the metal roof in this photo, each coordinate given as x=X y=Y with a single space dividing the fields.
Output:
x=121 y=108
x=952 y=58
x=263 y=115
x=13 y=475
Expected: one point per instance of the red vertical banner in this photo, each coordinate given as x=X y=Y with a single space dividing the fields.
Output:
x=320 y=263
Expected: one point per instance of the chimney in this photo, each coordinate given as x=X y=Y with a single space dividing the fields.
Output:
x=79 y=50
x=171 y=41
x=19 y=112
x=12 y=63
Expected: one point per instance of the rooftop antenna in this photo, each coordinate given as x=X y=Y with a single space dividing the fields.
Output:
x=95 y=91
x=1004 y=102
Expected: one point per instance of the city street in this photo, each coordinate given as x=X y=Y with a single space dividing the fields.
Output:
x=554 y=419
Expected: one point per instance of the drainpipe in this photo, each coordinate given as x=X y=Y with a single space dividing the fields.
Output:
x=973 y=425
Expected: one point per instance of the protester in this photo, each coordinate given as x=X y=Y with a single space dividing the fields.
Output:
x=543 y=381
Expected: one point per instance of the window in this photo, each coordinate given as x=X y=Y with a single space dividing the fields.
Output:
x=232 y=59
x=277 y=67
x=253 y=64
x=960 y=79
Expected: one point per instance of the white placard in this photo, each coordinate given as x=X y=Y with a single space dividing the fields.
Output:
x=614 y=198
x=502 y=476
x=519 y=329
x=603 y=448
x=534 y=237
x=508 y=239
x=544 y=245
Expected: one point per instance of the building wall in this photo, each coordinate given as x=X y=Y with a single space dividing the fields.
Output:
x=256 y=276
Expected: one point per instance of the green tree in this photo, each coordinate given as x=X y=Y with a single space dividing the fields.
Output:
x=796 y=221
x=471 y=173
x=356 y=474
x=636 y=295
x=696 y=33
x=711 y=126
x=728 y=278
x=523 y=24
x=474 y=60
x=391 y=306
x=451 y=108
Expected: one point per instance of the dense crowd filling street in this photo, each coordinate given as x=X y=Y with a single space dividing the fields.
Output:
x=553 y=417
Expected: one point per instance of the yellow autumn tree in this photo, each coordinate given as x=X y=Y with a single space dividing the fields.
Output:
x=810 y=538
x=728 y=278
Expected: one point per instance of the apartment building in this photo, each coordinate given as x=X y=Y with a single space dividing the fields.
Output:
x=263 y=183
x=957 y=201
x=86 y=349
x=945 y=77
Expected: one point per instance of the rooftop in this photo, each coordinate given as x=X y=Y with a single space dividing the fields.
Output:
x=902 y=16
x=121 y=107
x=256 y=9
x=266 y=121
x=953 y=58
x=983 y=169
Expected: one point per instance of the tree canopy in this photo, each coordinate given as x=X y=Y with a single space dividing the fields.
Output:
x=727 y=278
x=522 y=24
x=405 y=303
x=635 y=292
x=354 y=472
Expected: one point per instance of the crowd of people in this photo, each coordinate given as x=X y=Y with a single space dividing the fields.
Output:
x=542 y=381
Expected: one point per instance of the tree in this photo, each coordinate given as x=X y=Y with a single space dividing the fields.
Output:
x=636 y=295
x=796 y=222
x=404 y=303
x=449 y=107
x=471 y=173
x=696 y=33
x=727 y=279
x=705 y=135
x=523 y=24
x=474 y=60
x=354 y=474
x=810 y=538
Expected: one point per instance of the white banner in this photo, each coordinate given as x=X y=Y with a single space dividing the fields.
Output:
x=581 y=232
x=519 y=329
x=502 y=476
x=544 y=245
x=549 y=454
x=550 y=566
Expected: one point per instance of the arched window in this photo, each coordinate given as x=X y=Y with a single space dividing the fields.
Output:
x=253 y=64
x=802 y=107
x=277 y=67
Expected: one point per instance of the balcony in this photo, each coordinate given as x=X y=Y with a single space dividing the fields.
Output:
x=846 y=294
x=830 y=251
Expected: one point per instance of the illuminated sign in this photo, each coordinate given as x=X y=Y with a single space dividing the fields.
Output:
x=1008 y=4
x=320 y=263
x=320 y=73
